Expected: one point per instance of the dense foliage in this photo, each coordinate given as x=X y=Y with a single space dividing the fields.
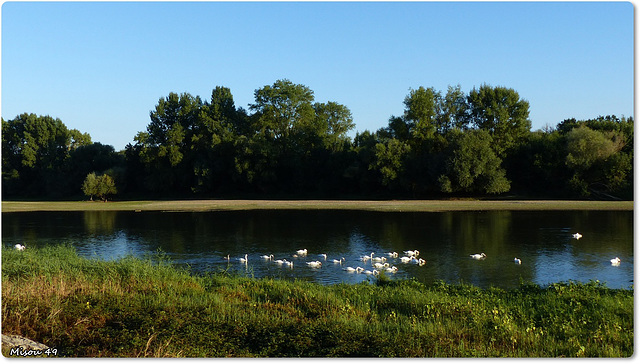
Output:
x=288 y=144
x=149 y=308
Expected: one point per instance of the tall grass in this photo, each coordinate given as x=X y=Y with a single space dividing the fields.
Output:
x=149 y=308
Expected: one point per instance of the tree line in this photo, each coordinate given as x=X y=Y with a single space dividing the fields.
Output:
x=444 y=144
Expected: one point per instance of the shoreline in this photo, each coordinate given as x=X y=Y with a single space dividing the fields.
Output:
x=363 y=205
x=137 y=307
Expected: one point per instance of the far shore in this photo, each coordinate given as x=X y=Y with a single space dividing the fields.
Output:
x=382 y=206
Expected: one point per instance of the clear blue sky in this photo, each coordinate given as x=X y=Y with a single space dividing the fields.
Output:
x=101 y=67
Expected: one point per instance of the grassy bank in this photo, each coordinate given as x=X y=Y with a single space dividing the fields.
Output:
x=404 y=205
x=135 y=307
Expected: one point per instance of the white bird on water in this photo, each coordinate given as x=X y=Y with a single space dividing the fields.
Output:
x=352 y=269
x=289 y=264
x=392 y=269
x=615 y=261
x=301 y=252
x=380 y=265
x=323 y=255
x=412 y=253
x=19 y=247
x=269 y=257
x=517 y=261
x=577 y=236
x=365 y=258
x=419 y=262
x=315 y=264
x=405 y=259
x=478 y=256
x=339 y=261
x=280 y=261
x=245 y=259
x=392 y=254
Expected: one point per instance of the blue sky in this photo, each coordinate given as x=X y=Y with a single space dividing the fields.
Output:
x=101 y=67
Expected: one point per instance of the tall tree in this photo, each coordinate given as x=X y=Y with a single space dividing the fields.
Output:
x=501 y=112
x=282 y=107
x=452 y=110
x=165 y=148
x=595 y=161
x=422 y=107
x=472 y=166
x=34 y=152
x=336 y=121
x=390 y=161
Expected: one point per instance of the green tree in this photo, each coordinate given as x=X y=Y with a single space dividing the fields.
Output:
x=596 y=162
x=586 y=146
x=422 y=108
x=34 y=153
x=453 y=110
x=165 y=148
x=100 y=186
x=92 y=157
x=89 y=186
x=335 y=121
x=283 y=107
x=537 y=166
x=501 y=112
x=472 y=165
x=390 y=160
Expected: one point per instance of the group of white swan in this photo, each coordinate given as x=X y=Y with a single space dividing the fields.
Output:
x=378 y=262
x=615 y=261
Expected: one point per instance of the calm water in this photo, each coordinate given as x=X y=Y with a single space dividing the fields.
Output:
x=543 y=240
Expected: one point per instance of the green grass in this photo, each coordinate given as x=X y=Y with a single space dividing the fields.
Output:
x=147 y=307
x=393 y=205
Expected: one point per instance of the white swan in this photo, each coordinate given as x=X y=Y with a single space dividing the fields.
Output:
x=405 y=259
x=339 y=261
x=392 y=269
x=419 y=262
x=288 y=264
x=227 y=257
x=478 y=256
x=19 y=247
x=517 y=261
x=365 y=258
x=245 y=259
x=301 y=252
x=379 y=259
x=380 y=265
x=392 y=254
x=315 y=264
x=615 y=261
x=577 y=236
x=269 y=257
x=350 y=269
x=323 y=255
x=412 y=253
x=280 y=261
x=359 y=269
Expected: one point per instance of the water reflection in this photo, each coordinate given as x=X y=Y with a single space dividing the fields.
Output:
x=202 y=239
